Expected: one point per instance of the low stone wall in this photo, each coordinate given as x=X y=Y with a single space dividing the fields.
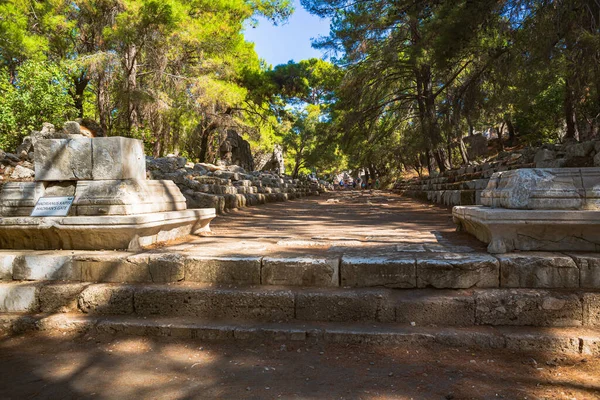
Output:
x=228 y=187
x=463 y=186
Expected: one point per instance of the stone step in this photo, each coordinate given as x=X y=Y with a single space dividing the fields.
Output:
x=404 y=265
x=424 y=307
x=583 y=341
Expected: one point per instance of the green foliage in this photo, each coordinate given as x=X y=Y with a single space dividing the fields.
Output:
x=169 y=71
x=38 y=94
x=420 y=75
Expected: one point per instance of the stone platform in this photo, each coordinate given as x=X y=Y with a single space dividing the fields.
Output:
x=531 y=230
x=102 y=232
x=547 y=209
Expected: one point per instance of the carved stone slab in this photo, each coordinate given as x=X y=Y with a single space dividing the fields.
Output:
x=114 y=197
x=118 y=158
x=544 y=189
x=104 y=158
x=63 y=159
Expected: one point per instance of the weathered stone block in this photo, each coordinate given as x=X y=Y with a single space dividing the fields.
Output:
x=219 y=303
x=19 y=198
x=106 y=299
x=591 y=309
x=113 y=267
x=118 y=158
x=356 y=305
x=300 y=271
x=60 y=188
x=527 y=307
x=589 y=269
x=524 y=342
x=18 y=297
x=579 y=149
x=63 y=159
x=6 y=266
x=60 y=297
x=45 y=266
x=590 y=345
x=166 y=267
x=538 y=270
x=457 y=271
x=436 y=309
x=535 y=189
x=72 y=128
x=127 y=197
x=378 y=271
x=232 y=270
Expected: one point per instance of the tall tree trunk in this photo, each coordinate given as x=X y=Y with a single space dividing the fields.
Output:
x=471 y=128
x=428 y=159
x=511 y=131
x=103 y=103
x=296 y=169
x=79 y=84
x=570 y=115
x=426 y=101
x=500 y=133
x=130 y=87
x=157 y=149
x=441 y=159
x=463 y=150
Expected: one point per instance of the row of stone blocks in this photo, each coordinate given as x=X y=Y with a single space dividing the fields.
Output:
x=426 y=307
x=420 y=270
x=473 y=184
x=445 y=197
x=230 y=189
x=574 y=341
x=458 y=190
x=455 y=178
x=224 y=202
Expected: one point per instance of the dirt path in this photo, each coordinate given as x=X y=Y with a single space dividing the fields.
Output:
x=336 y=222
x=42 y=367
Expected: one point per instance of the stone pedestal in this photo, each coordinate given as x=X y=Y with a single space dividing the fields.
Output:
x=115 y=207
x=129 y=232
x=537 y=209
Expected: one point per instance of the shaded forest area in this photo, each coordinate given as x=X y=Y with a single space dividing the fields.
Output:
x=407 y=80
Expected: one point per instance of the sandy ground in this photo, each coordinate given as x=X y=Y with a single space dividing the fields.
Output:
x=43 y=367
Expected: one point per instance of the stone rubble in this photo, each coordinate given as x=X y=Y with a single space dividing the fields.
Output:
x=229 y=187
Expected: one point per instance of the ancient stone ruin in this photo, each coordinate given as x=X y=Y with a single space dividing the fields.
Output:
x=113 y=205
x=537 y=209
x=229 y=187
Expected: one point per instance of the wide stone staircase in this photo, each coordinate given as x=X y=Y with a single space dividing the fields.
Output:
x=420 y=294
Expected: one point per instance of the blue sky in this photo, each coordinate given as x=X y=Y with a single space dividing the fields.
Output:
x=290 y=41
